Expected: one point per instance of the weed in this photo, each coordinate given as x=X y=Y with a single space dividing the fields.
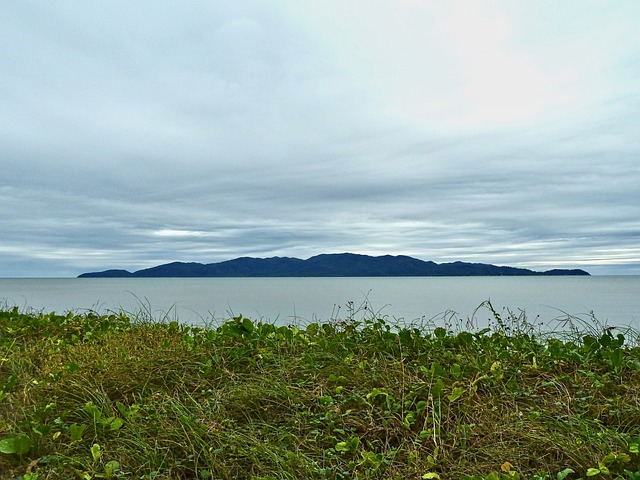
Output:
x=118 y=396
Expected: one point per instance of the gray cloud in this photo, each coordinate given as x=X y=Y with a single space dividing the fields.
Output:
x=137 y=134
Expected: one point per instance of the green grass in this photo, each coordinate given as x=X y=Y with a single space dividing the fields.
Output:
x=86 y=396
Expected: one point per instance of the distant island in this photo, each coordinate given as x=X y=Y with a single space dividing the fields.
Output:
x=328 y=265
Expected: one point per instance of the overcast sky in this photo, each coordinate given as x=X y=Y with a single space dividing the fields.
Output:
x=139 y=133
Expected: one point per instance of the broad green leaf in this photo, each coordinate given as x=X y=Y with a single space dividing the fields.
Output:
x=371 y=459
x=41 y=429
x=437 y=370
x=18 y=445
x=22 y=444
x=616 y=357
x=248 y=325
x=116 y=423
x=564 y=473
x=76 y=431
x=456 y=394
x=354 y=443
x=409 y=419
x=93 y=411
x=606 y=339
x=342 y=447
x=591 y=343
x=375 y=393
x=111 y=467
x=122 y=408
x=405 y=336
x=440 y=333
x=95 y=452
x=436 y=390
x=615 y=458
x=72 y=367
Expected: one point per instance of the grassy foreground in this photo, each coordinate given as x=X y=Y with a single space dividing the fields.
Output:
x=86 y=396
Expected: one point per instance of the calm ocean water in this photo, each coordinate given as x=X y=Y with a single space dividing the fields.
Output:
x=614 y=300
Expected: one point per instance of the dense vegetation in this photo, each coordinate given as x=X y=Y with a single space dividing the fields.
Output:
x=86 y=396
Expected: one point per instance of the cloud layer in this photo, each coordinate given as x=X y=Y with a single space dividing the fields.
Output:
x=138 y=133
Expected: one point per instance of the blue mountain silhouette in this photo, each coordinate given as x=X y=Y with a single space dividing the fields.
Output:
x=328 y=265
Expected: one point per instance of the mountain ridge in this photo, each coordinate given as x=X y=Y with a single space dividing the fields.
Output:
x=328 y=265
